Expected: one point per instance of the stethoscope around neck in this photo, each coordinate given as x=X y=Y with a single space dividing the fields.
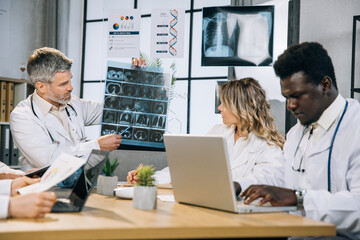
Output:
x=330 y=149
x=67 y=113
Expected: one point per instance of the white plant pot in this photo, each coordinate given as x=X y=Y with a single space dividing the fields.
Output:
x=106 y=185
x=145 y=198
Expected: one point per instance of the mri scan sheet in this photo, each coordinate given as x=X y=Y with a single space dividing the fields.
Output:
x=135 y=104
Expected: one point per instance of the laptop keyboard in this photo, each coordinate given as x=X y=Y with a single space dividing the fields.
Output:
x=255 y=203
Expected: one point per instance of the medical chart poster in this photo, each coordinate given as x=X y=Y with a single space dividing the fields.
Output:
x=123 y=33
x=167 y=33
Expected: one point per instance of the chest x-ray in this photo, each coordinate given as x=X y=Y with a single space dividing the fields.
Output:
x=237 y=36
x=136 y=104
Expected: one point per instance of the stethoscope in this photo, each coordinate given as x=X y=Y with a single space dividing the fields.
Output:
x=67 y=113
x=330 y=149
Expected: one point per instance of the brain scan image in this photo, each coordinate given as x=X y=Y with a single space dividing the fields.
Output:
x=148 y=78
x=142 y=120
x=142 y=106
x=129 y=90
x=116 y=75
x=113 y=88
x=145 y=92
x=127 y=134
x=159 y=108
x=127 y=104
x=108 y=129
x=158 y=79
x=140 y=134
x=110 y=74
x=158 y=121
x=125 y=118
x=109 y=116
x=156 y=136
x=111 y=102
x=140 y=76
x=131 y=75
x=160 y=94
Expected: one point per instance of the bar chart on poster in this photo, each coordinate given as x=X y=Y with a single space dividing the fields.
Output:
x=136 y=104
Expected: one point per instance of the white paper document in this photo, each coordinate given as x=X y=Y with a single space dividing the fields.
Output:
x=166 y=198
x=60 y=169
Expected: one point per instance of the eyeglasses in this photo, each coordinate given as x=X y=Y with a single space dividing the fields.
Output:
x=300 y=169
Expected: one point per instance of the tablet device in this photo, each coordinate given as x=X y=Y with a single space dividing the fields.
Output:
x=38 y=172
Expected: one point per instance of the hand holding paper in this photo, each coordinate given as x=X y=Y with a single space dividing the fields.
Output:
x=60 y=169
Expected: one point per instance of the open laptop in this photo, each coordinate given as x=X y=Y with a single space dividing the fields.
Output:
x=83 y=185
x=200 y=174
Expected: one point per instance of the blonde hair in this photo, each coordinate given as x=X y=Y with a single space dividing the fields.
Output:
x=247 y=101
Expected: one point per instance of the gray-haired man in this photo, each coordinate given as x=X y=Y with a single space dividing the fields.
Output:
x=52 y=120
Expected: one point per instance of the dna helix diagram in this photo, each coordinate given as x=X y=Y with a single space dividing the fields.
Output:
x=173 y=32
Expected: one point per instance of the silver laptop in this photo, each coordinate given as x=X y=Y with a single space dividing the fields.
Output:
x=200 y=174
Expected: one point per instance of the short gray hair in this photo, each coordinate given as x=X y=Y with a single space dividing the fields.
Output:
x=45 y=62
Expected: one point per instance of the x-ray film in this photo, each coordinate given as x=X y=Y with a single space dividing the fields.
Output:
x=135 y=104
x=237 y=36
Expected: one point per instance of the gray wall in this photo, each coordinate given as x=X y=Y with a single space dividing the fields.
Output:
x=24 y=33
x=31 y=25
x=330 y=23
x=129 y=160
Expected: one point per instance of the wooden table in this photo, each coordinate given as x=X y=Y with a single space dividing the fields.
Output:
x=111 y=218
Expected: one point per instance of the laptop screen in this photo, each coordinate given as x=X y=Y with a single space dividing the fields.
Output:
x=87 y=178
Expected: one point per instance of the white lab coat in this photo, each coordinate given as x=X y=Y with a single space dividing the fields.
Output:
x=252 y=161
x=342 y=205
x=6 y=169
x=31 y=134
x=5 y=192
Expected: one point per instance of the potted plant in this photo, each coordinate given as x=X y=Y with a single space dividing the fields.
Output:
x=145 y=192
x=108 y=182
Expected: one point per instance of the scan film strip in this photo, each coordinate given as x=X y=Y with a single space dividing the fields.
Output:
x=135 y=104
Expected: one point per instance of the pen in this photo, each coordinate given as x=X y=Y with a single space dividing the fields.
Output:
x=137 y=170
x=123 y=131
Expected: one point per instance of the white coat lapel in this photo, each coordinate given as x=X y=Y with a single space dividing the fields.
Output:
x=53 y=125
x=290 y=146
x=324 y=142
x=248 y=152
x=74 y=122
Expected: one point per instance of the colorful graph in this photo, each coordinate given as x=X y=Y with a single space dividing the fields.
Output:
x=116 y=26
x=173 y=32
x=50 y=175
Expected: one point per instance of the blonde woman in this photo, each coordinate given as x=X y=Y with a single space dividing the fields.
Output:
x=254 y=144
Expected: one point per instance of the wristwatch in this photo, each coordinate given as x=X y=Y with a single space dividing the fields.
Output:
x=300 y=193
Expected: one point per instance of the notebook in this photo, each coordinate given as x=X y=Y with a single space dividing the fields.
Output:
x=83 y=185
x=201 y=176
